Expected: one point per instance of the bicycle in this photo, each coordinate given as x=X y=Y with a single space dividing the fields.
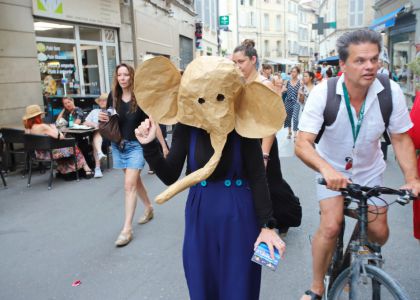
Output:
x=355 y=272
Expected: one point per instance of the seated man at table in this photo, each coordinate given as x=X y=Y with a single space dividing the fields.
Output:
x=32 y=120
x=70 y=108
x=92 y=121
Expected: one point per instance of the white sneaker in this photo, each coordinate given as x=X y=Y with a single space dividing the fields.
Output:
x=98 y=173
x=101 y=155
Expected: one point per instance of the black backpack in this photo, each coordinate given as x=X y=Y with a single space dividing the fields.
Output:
x=333 y=104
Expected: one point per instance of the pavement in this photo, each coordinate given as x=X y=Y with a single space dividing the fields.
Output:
x=50 y=239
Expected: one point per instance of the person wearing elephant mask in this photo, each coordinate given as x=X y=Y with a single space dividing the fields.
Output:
x=228 y=211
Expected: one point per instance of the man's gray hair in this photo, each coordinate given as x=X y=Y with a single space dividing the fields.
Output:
x=357 y=37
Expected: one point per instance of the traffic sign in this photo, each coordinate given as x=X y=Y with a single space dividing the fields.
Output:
x=223 y=20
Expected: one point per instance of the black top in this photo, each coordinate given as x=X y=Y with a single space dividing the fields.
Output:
x=129 y=121
x=169 y=169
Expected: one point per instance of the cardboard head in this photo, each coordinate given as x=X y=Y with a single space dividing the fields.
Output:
x=211 y=95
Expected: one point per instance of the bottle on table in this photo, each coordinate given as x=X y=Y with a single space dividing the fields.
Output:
x=71 y=121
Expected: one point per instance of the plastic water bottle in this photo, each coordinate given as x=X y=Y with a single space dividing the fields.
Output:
x=71 y=121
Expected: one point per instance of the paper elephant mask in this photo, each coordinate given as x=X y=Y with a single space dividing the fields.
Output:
x=210 y=95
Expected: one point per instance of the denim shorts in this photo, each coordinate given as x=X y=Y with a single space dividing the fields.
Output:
x=129 y=156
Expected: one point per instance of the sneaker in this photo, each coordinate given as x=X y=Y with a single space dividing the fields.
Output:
x=101 y=155
x=98 y=173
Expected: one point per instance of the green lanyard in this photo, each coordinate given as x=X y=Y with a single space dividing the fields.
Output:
x=355 y=129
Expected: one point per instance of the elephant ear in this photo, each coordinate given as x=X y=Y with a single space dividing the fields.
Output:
x=259 y=111
x=156 y=85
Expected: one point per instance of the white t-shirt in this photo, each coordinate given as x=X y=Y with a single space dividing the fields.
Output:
x=93 y=116
x=337 y=140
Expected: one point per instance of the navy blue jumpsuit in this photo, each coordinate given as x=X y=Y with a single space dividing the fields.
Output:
x=221 y=228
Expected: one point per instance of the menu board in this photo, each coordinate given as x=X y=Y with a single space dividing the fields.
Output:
x=58 y=69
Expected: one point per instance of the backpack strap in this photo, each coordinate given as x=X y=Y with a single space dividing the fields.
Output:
x=385 y=103
x=331 y=107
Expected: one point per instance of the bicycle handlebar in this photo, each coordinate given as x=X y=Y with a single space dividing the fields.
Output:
x=358 y=191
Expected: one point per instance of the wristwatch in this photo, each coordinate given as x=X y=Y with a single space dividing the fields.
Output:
x=271 y=224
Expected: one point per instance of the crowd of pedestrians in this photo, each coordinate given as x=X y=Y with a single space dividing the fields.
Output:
x=223 y=226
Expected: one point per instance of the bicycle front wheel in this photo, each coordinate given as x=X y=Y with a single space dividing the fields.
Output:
x=367 y=286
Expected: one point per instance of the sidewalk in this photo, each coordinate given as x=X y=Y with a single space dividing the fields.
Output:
x=49 y=239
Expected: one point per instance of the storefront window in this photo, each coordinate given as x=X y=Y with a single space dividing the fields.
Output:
x=402 y=54
x=51 y=29
x=90 y=34
x=58 y=68
x=92 y=69
x=72 y=60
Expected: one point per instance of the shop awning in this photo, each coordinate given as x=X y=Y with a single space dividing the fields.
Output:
x=281 y=61
x=332 y=60
x=386 y=21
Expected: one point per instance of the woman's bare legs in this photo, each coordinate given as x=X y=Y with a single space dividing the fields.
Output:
x=148 y=208
x=130 y=187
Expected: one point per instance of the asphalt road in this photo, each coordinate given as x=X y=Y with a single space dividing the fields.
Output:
x=49 y=239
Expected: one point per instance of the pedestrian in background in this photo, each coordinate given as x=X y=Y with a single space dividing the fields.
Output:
x=267 y=71
x=93 y=121
x=245 y=57
x=291 y=103
x=307 y=86
x=71 y=109
x=282 y=195
x=128 y=154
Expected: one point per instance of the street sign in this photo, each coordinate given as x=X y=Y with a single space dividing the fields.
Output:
x=224 y=20
x=320 y=26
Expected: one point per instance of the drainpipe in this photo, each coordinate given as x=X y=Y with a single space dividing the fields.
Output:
x=133 y=33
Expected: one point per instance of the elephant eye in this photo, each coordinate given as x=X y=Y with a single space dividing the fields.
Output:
x=220 y=97
x=201 y=100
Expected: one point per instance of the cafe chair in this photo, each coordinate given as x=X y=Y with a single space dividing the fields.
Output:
x=12 y=138
x=3 y=179
x=34 y=142
x=2 y=162
x=2 y=175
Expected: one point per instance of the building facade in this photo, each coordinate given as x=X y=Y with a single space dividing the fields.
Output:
x=349 y=15
x=281 y=29
x=165 y=28
x=399 y=23
x=52 y=48
x=207 y=27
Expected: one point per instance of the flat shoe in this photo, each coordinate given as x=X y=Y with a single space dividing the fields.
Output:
x=147 y=216
x=124 y=238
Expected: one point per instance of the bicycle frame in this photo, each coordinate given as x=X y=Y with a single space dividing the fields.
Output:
x=355 y=253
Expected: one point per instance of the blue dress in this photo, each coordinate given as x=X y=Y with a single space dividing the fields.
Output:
x=220 y=231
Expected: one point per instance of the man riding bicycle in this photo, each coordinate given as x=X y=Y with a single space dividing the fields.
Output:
x=349 y=150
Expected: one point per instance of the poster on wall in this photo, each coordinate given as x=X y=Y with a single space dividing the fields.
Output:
x=97 y=12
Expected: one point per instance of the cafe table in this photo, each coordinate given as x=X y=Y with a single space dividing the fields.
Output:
x=84 y=140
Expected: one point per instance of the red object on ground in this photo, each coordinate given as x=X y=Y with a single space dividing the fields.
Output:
x=76 y=283
x=415 y=135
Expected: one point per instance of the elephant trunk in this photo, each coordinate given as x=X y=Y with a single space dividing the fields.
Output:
x=218 y=143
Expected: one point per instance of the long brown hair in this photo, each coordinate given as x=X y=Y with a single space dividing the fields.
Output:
x=117 y=90
x=32 y=121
